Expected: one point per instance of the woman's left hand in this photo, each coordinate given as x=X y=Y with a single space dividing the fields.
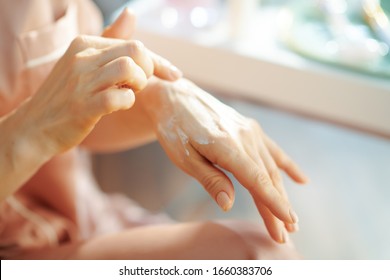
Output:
x=204 y=137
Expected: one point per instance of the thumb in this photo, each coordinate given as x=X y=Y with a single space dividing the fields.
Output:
x=123 y=27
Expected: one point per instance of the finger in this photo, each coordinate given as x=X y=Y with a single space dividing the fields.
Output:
x=123 y=27
x=275 y=227
x=122 y=71
x=111 y=100
x=113 y=48
x=284 y=162
x=164 y=69
x=83 y=42
x=133 y=49
x=214 y=181
x=292 y=227
x=147 y=60
x=254 y=178
x=275 y=176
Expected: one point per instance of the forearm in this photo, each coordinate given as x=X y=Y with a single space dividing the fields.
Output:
x=22 y=151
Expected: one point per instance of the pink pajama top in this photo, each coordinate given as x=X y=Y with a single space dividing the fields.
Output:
x=34 y=34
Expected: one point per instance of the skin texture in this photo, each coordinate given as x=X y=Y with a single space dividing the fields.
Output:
x=86 y=99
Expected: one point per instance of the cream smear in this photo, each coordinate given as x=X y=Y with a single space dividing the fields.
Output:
x=191 y=116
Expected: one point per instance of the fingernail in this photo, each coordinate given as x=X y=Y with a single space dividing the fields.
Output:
x=224 y=201
x=292 y=227
x=125 y=11
x=284 y=236
x=306 y=179
x=175 y=73
x=294 y=217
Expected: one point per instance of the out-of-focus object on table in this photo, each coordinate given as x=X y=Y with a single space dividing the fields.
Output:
x=335 y=32
x=259 y=67
x=377 y=18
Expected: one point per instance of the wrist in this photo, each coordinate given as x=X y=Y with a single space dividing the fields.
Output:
x=22 y=151
x=151 y=99
x=25 y=136
x=160 y=97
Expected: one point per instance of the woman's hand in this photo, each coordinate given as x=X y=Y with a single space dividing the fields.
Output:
x=203 y=137
x=95 y=77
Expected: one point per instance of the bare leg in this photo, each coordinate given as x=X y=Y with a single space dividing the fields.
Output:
x=205 y=240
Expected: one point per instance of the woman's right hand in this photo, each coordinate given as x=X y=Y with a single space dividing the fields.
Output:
x=96 y=76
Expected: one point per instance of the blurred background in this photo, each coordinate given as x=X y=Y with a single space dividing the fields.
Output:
x=315 y=74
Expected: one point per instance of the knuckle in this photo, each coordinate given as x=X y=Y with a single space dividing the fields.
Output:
x=78 y=52
x=78 y=43
x=142 y=57
x=223 y=137
x=255 y=124
x=275 y=176
x=228 y=153
x=136 y=48
x=212 y=182
x=261 y=178
x=232 y=153
x=124 y=65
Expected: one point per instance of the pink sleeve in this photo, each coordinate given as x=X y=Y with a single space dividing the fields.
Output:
x=32 y=42
x=87 y=10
